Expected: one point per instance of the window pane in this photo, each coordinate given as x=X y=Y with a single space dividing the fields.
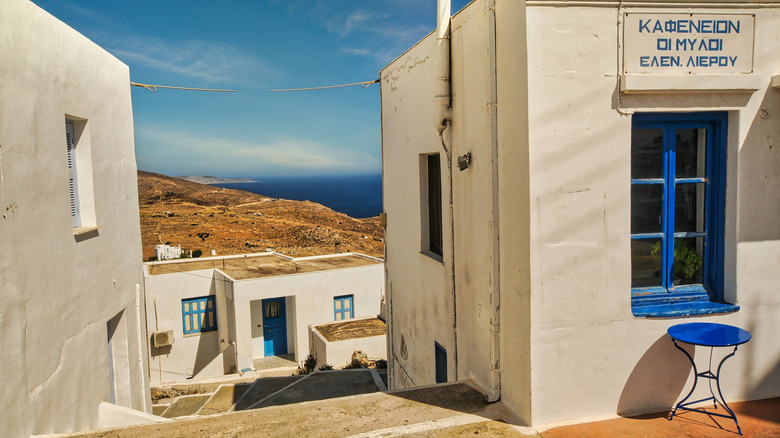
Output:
x=647 y=158
x=688 y=260
x=338 y=304
x=691 y=155
x=272 y=309
x=435 y=242
x=689 y=207
x=646 y=208
x=645 y=263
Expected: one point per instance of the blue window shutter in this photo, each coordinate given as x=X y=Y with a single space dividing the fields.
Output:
x=75 y=213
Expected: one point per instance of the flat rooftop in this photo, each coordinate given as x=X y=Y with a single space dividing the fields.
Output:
x=259 y=266
x=352 y=329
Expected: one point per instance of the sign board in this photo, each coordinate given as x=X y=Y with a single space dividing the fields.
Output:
x=688 y=43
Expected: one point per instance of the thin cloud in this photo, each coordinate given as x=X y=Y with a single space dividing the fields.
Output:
x=160 y=147
x=356 y=52
x=214 y=62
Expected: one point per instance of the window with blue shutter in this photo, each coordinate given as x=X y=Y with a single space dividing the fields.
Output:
x=342 y=307
x=199 y=314
x=70 y=139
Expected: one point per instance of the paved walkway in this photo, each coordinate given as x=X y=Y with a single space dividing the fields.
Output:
x=271 y=362
x=447 y=410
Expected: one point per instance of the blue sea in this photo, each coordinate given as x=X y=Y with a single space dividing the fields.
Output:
x=359 y=196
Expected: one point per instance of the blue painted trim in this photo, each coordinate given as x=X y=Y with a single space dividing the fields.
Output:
x=683 y=309
x=344 y=299
x=690 y=180
x=278 y=327
x=194 y=316
x=647 y=181
x=688 y=234
x=647 y=236
x=714 y=212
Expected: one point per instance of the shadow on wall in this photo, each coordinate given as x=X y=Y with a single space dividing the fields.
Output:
x=759 y=185
x=657 y=380
x=208 y=350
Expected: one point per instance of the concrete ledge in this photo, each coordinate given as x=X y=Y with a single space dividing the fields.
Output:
x=660 y=84
x=775 y=82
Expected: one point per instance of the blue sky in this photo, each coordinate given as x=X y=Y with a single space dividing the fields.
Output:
x=254 y=46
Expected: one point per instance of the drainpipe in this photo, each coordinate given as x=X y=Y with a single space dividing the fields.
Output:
x=443 y=99
x=494 y=392
x=443 y=117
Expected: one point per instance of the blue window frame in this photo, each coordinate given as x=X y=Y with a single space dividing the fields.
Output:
x=199 y=314
x=342 y=307
x=678 y=172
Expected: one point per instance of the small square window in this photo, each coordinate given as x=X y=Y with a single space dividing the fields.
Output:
x=199 y=315
x=342 y=307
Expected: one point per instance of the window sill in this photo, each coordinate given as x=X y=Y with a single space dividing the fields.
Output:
x=677 y=304
x=78 y=231
x=191 y=335
x=432 y=255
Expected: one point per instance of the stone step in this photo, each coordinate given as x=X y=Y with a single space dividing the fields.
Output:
x=261 y=389
x=224 y=398
x=186 y=405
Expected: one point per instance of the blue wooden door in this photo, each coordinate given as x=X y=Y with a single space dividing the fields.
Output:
x=274 y=327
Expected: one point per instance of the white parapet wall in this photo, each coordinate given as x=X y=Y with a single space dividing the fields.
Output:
x=338 y=353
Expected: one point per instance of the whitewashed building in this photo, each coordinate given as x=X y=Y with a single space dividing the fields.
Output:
x=72 y=336
x=543 y=164
x=167 y=252
x=214 y=316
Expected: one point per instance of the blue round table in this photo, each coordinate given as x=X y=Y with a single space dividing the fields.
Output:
x=708 y=334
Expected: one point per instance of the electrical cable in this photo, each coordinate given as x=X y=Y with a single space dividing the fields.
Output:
x=365 y=84
x=153 y=87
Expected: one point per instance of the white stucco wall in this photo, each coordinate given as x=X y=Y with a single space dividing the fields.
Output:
x=309 y=300
x=419 y=294
x=584 y=336
x=59 y=289
x=571 y=349
x=193 y=355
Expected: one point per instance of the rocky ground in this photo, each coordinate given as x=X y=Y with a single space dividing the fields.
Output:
x=198 y=216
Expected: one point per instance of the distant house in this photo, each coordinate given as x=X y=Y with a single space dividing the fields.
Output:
x=167 y=252
x=542 y=184
x=217 y=315
x=72 y=336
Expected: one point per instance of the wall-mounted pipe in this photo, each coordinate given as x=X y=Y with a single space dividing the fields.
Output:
x=494 y=392
x=443 y=116
x=443 y=97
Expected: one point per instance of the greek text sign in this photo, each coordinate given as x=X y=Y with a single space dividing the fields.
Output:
x=688 y=43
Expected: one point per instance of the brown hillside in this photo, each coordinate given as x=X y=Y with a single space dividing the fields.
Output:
x=199 y=216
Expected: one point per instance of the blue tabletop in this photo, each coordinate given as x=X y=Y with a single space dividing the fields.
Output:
x=709 y=334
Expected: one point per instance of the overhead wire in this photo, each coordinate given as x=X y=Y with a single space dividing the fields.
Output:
x=153 y=87
x=365 y=84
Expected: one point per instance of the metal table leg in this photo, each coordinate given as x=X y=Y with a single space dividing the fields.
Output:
x=683 y=404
